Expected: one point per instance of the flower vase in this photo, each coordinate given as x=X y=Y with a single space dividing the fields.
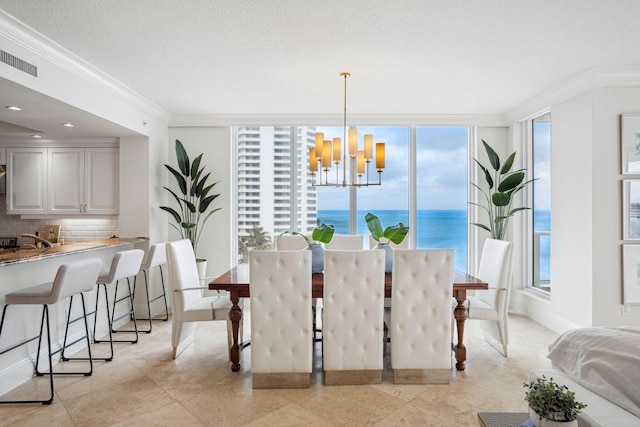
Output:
x=549 y=423
x=388 y=255
x=317 y=257
x=534 y=417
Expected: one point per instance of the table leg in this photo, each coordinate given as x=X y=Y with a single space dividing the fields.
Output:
x=460 y=314
x=235 y=315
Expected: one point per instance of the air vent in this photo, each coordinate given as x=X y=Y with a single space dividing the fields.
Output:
x=18 y=63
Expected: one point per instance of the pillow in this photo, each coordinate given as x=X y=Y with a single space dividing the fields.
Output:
x=606 y=360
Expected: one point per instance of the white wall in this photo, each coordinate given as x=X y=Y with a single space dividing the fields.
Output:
x=215 y=142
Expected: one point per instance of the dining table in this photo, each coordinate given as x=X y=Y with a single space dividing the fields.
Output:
x=236 y=283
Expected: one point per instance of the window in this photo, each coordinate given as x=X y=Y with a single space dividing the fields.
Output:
x=541 y=205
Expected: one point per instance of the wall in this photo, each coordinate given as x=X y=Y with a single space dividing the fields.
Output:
x=215 y=142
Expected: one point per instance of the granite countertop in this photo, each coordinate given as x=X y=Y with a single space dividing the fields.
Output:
x=22 y=255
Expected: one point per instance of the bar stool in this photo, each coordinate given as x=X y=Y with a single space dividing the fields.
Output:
x=124 y=265
x=157 y=256
x=71 y=279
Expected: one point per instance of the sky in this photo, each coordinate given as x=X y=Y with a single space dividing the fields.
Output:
x=441 y=166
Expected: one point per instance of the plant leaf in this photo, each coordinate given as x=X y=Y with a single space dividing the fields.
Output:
x=374 y=226
x=487 y=174
x=493 y=156
x=190 y=205
x=195 y=166
x=511 y=182
x=173 y=213
x=188 y=225
x=508 y=163
x=183 y=159
x=323 y=233
x=396 y=233
x=500 y=199
x=182 y=183
x=484 y=227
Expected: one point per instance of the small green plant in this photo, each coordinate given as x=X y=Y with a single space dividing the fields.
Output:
x=552 y=401
x=395 y=233
x=323 y=233
x=503 y=184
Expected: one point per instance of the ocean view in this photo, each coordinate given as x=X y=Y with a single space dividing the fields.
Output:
x=436 y=229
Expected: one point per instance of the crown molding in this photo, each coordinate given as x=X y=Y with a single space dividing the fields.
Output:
x=591 y=79
x=335 y=120
x=56 y=55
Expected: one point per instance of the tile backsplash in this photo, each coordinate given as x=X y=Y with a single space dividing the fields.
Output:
x=71 y=230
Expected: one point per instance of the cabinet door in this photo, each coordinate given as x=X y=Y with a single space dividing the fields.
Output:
x=102 y=191
x=66 y=180
x=26 y=181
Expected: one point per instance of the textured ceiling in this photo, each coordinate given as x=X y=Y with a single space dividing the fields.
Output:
x=195 y=57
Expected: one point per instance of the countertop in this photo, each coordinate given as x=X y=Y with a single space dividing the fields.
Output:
x=22 y=255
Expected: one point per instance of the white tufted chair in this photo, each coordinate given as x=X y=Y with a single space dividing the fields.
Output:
x=281 y=331
x=294 y=242
x=345 y=243
x=492 y=306
x=353 y=316
x=402 y=245
x=420 y=317
x=187 y=301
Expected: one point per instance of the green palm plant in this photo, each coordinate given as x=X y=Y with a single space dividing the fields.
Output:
x=194 y=198
x=503 y=184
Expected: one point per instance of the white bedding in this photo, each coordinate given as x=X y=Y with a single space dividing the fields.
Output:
x=606 y=360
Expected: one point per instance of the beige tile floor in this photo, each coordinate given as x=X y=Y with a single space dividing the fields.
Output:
x=144 y=386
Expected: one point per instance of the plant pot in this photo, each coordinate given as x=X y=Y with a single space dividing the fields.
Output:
x=534 y=417
x=549 y=423
x=202 y=269
x=317 y=257
x=388 y=256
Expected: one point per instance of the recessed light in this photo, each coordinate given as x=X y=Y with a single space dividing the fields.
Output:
x=68 y=125
x=13 y=108
x=36 y=136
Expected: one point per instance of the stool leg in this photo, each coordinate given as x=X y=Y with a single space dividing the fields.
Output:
x=131 y=313
x=146 y=286
x=109 y=322
x=164 y=295
x=86 y=337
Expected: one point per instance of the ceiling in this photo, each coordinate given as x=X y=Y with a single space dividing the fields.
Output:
x=284 y=57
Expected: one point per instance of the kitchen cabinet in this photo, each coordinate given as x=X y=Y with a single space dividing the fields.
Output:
x=78 y=181
x=26 y=180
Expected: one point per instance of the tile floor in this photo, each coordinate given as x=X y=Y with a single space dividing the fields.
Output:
x=144 y=386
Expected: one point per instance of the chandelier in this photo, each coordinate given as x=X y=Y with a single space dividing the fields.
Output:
x=349 y=171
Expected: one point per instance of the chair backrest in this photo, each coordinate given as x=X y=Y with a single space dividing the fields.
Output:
x=290 y=242
x=495 y=269
x=345 y=243
x=183 y=273
x=353 y=310
x=75 y=277
x=281 y=329
x=402 y=245
x=157 y=255
x=421 y=308
x=124 y=264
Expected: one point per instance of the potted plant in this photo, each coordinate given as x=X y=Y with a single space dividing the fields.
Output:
x=323 y=233
x=551 y=404
x=503 y=184
x=395 y=234
x=193 y=199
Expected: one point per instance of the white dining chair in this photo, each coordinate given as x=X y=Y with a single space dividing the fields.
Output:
x=353 y=316
x=281 y=328
x=345 y=243
x=420 y=316
x=491 y=306
x=188 y=303
x=285 y=242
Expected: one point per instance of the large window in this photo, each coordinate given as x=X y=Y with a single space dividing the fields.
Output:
x=541 y=227
x=273 y=181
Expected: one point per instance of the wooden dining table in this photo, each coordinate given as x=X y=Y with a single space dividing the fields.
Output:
x=236 y=282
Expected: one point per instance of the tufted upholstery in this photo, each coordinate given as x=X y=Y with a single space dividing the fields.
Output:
x=492 y=306
x=421 y=313
x=290 y=243
x=280 y=287
x=345 y=243
x=353 y=312
x=187 y=300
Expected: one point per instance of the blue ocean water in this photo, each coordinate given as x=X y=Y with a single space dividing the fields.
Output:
x=437 y=229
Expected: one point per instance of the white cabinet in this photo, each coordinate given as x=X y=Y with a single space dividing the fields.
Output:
x=83 y=181
x=27 y=180
x=70 y=181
